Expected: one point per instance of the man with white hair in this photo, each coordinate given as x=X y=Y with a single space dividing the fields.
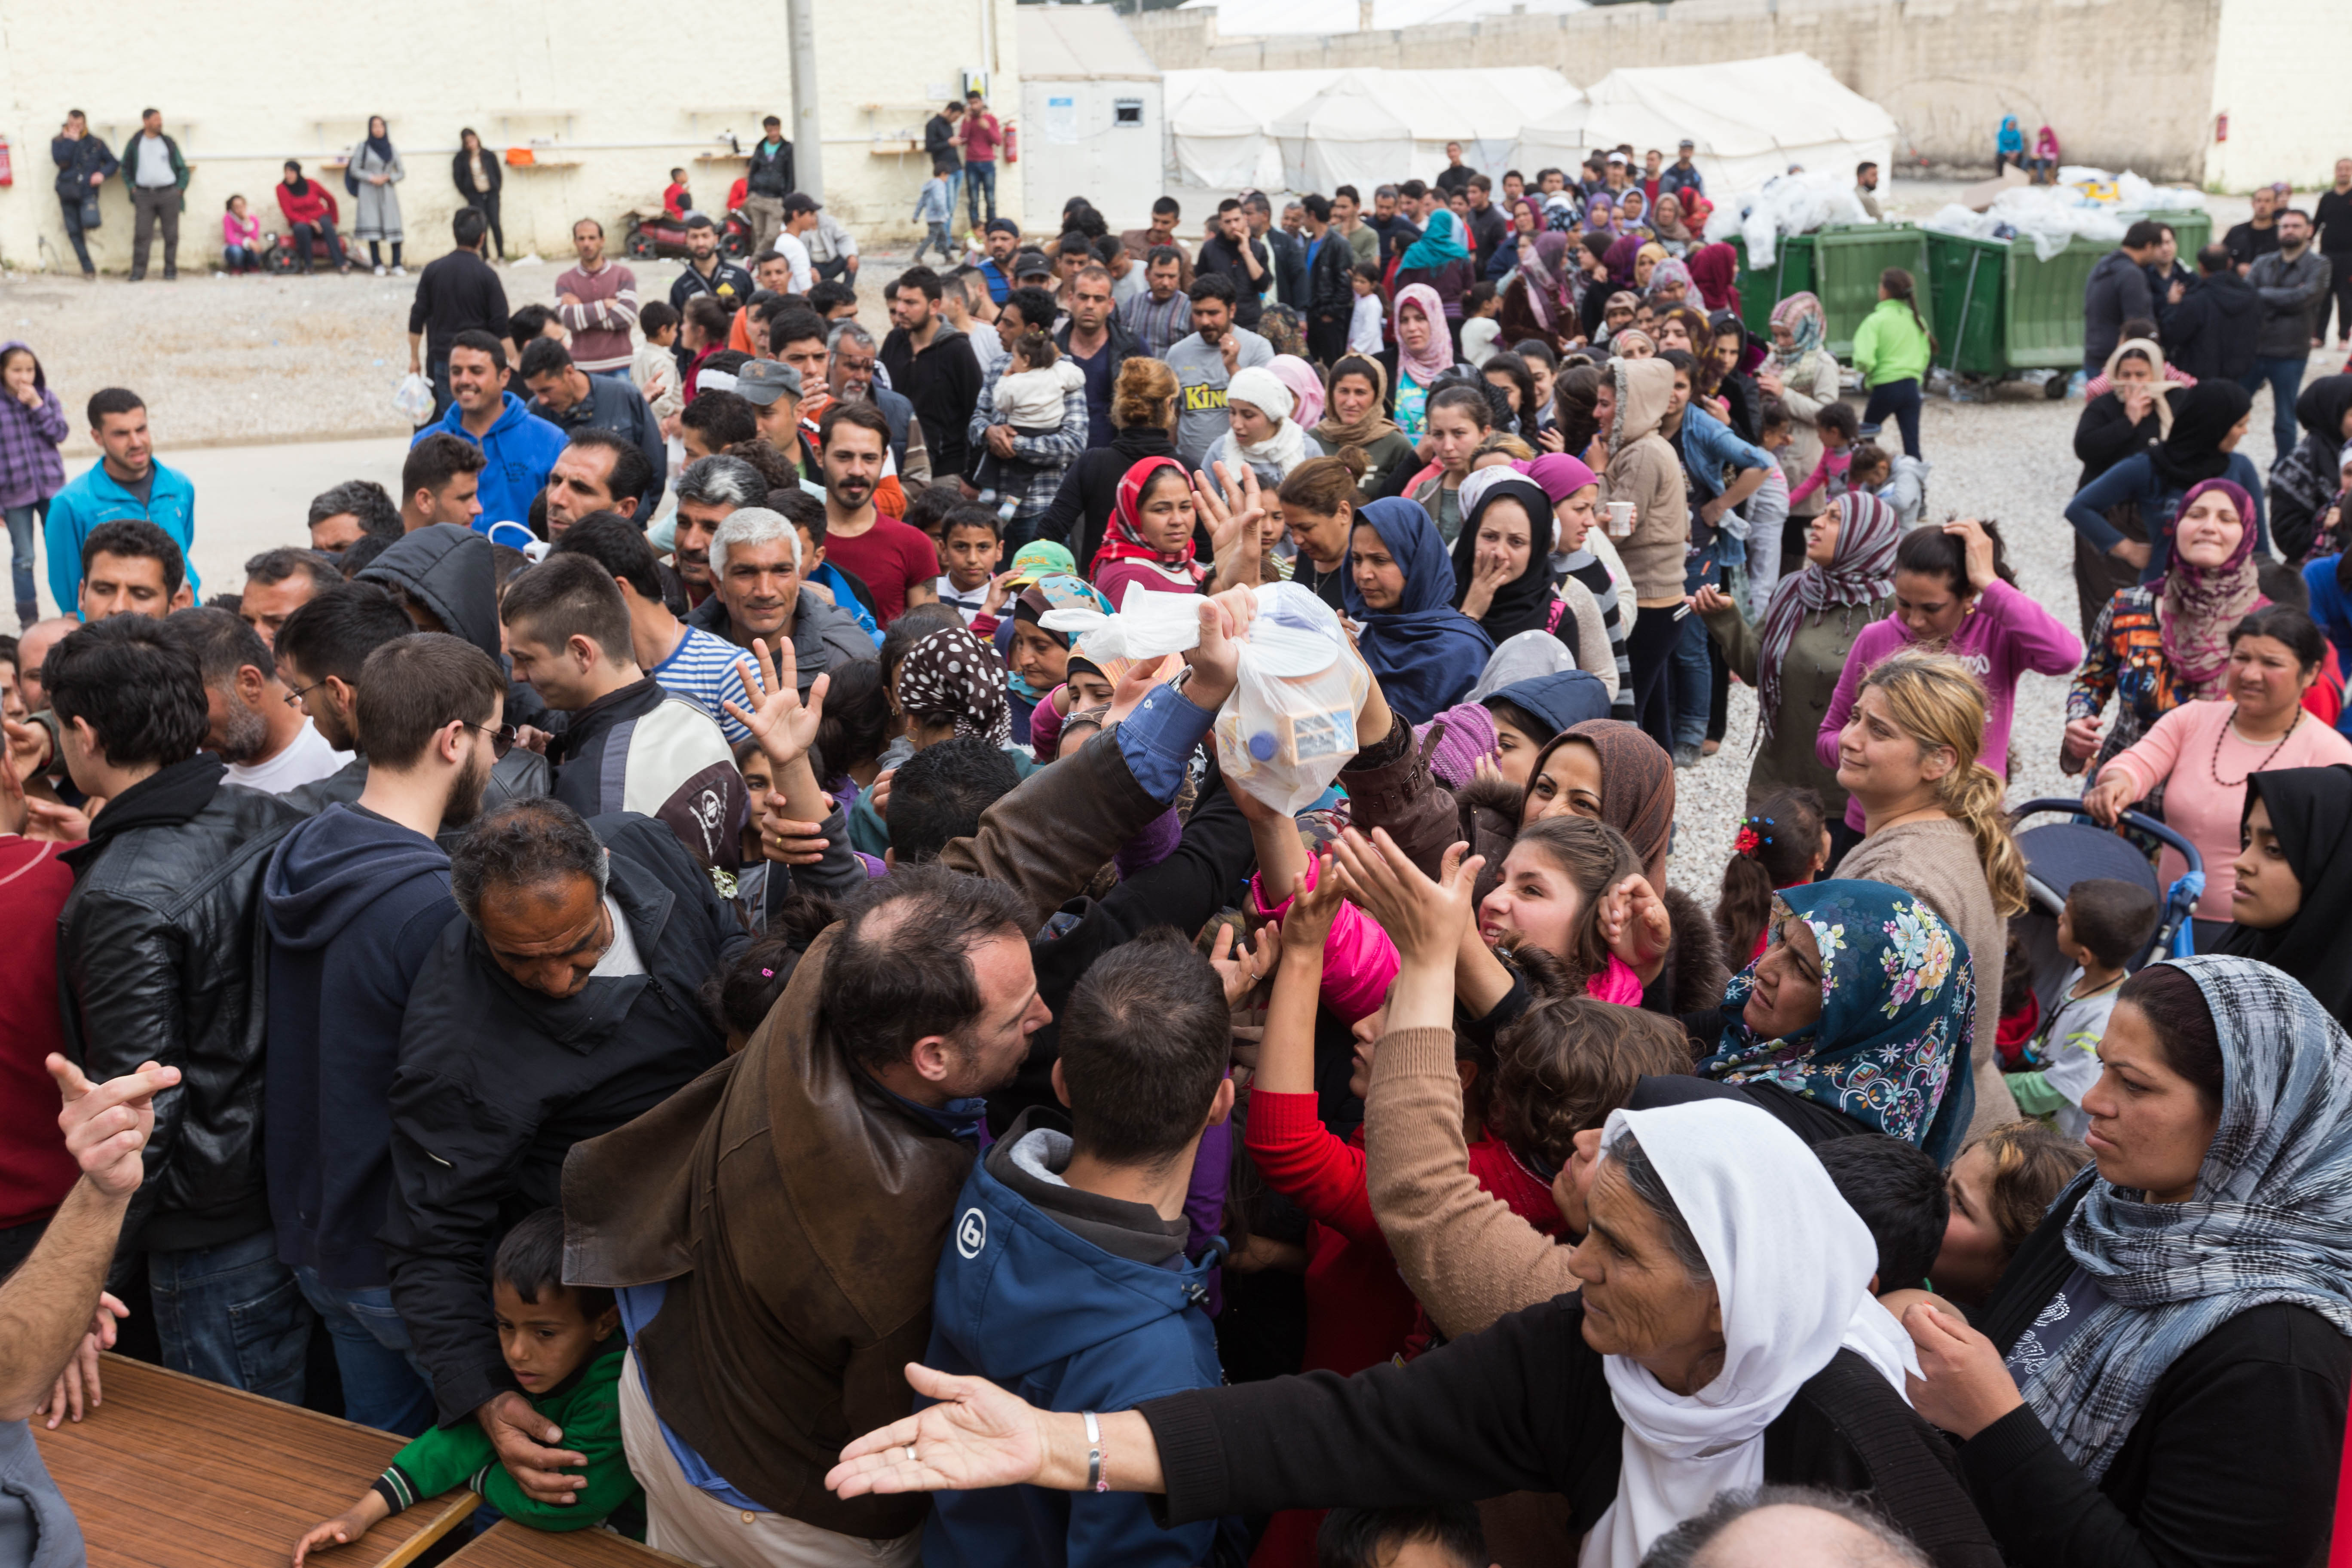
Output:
x=755 y=573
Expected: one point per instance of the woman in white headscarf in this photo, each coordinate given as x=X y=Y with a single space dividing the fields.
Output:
x=1261 y=435
x=1724 y=1337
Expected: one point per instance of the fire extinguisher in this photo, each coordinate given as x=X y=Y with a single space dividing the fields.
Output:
x=1012 y=143
x=2222 y=126
x=7 y=164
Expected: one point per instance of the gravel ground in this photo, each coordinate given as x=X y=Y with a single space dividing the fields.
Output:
x=229 y=361
x=2010 y=460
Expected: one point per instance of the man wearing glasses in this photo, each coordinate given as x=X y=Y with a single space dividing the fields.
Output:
x=266 y=740
x=354 y=901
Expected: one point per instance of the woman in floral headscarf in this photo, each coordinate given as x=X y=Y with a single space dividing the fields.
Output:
x=1861 y=1008
x=1804 y=375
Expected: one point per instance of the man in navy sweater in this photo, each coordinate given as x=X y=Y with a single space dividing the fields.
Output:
x=354 y=901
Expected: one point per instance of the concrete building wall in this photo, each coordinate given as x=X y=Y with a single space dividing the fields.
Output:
x=614 y=95
x=2286 y=119
x=2126 y=83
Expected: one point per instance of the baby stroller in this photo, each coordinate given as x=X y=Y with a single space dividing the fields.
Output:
x=2060 y=854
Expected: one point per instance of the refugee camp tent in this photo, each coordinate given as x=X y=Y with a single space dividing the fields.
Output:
x=1373 y=126
x=1750 y=119
x=1090 y=113
x=1250 y=18
x=1220 y=124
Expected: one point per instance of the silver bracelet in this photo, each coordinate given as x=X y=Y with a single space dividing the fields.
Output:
x=1095 y=1480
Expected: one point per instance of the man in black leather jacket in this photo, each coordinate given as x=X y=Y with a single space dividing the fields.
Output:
x=159 y=960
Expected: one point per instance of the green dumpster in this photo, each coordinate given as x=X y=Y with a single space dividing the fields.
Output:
x=1999 y=308
x=1791 y=272
x=1848 y=260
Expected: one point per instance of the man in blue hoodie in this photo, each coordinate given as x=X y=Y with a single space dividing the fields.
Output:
x=521 y=447
x=1065 y=1276
x=354 y=900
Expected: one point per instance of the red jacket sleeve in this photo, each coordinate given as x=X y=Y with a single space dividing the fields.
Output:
x=1310 y=1164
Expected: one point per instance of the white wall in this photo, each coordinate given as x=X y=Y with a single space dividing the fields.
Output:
x=2288 y=114
x=1077 y=148
x=626 y=91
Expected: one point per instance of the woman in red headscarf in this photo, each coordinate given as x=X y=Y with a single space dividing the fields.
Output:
x=1712 y=269
x=1149 y=536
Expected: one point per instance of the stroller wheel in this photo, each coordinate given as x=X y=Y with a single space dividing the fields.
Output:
x=639 y=244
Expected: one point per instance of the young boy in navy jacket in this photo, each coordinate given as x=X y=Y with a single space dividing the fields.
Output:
x=1065 y=1277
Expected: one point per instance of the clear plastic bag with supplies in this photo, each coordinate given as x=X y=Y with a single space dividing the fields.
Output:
x=412 y=398
x=1290 y=725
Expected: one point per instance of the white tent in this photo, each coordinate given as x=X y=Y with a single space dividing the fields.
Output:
x=1251 y=18
x=1220 y=124
x=1371 y=126
x=1090 y=113
x=1751 y=119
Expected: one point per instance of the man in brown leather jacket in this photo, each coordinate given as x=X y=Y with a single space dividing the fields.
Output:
x=773 y=1229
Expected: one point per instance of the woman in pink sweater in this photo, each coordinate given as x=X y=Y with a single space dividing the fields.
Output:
x=2203 y=753
x=1954 y=593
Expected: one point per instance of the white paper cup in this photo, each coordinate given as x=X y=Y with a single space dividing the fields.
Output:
x=1621 y=520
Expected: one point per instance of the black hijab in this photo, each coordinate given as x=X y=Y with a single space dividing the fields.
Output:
x=2203 y=417
x=295 y=183
x=2311 y=812
x=1523 y=604
x=2320 y=410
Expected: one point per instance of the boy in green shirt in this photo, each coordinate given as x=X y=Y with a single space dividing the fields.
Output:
x=565 y=1347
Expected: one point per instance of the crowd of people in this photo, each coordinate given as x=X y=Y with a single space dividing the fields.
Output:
x=685 y=948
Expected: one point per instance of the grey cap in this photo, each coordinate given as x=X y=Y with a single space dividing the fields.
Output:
x=762 y=381
x=1686 y=141
x=1031 y=264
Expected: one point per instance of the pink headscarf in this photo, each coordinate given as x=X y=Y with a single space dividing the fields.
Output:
x=1556 y=474
x=1436 y=359
x=1305 y=388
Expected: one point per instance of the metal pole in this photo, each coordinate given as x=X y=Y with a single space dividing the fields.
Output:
x=808 y=133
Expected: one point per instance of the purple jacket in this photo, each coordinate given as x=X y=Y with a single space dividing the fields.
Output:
x=30 y=468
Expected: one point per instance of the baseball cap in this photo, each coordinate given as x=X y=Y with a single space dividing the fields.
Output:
x=1003 y=226
x=762 y=381
x=802 y=201
x=1616 y=157
x=1031 y=264
x=1686 y=141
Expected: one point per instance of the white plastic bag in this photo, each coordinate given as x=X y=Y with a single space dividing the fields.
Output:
x=414 y=398
x=1290 y=725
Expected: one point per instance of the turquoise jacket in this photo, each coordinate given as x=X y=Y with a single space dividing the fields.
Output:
x=1890 y=345
x=96 y=498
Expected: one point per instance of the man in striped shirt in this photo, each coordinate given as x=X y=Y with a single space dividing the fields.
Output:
x=597 y=303
x=1162 y=313
x=686 y=660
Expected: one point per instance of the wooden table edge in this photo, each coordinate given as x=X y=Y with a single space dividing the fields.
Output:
x=455 y=1509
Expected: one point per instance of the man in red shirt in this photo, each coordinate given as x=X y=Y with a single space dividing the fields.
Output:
x=981 y=136
x=897 y=563
x=35 y=1172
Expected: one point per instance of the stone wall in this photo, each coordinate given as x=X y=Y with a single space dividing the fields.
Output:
x=2126 y=83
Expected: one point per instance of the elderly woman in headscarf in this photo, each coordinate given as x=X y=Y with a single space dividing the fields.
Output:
x=1633 y=213
x=1794 y=654
x=1261 y=435
x=2209 y=420
x=1666 y=223
x=2162 y=1372
x=1724 y=1337
x=1440 y=260
x=1400 y=591
x=2154 y=646
x=1855 y=1019
x=1669 y=284
x=1541 y=301
x=1356 y=414
x=1804 y=375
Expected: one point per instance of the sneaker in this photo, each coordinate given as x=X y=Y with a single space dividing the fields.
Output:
x=379 y=268
x=1687 y=755
x=400 y=272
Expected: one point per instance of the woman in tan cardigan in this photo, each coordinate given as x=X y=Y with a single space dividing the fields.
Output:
x=1624 y=406
x=1933 y=825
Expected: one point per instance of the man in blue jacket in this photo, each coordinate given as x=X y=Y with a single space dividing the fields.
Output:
x=521 y=447
x=125 y=482
x=354 y=900
x=1065 y=1276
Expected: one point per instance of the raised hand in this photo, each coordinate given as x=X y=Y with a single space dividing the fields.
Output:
x=1129 y=689
x=1979 y=551
x=1241 y=968
x=1312 y=909
x=1216 y=660
x=784 y=725
x=107 y=1124
x=1635 y=923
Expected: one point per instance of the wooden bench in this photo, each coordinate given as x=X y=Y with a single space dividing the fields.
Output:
x=175 y=1472
x=507 y=1544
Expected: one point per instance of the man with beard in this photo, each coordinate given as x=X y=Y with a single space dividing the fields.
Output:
x=1205 y=365
x=268 y=743
x=708 y=490
x=353 y=901
x=897 y=562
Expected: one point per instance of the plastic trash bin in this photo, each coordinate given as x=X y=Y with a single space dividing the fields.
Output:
x=1791 y=272
x=1848 y=258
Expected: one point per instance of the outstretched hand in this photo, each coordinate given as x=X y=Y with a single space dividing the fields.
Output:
x=1216 y=661
x=1425 y=919
x=976 y=1436
x=1242 y=967
x=1635 y=923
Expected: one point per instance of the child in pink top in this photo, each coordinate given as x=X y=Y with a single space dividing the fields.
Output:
x=240 y=239
x=1838 y=429
x=1952 y=595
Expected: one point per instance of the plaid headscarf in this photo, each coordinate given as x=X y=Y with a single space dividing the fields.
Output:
x=952 y=674
x=2270 y=1218
x=1861 y=572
